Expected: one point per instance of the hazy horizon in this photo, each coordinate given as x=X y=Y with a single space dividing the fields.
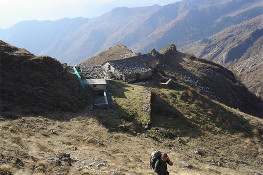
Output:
x=19 y=10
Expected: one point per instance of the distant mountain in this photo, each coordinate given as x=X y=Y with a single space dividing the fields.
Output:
x=198 y=20
x=239 y=48
x=100 y=33
x=140 y=29
x=38 y=35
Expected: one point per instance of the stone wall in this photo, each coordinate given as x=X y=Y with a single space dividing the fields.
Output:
x=111 y=72
x=146 y=108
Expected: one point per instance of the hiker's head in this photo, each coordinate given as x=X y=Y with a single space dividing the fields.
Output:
x=164 y=157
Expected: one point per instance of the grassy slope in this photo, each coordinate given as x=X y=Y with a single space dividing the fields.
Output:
x=229 y=141
x=37 y=84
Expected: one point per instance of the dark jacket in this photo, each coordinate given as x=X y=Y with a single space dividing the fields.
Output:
x=161 y=167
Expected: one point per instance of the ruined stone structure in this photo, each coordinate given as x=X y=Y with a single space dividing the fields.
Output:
x=132 y=69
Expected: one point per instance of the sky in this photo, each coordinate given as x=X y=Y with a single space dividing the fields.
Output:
x=13 y=11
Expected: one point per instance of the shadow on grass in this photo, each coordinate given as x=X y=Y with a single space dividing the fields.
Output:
x=213 y=117
x=230 y=122
x=165 y=116
x=117 y=88
x=115 y=119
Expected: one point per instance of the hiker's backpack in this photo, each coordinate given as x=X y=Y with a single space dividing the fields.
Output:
x=154 y=156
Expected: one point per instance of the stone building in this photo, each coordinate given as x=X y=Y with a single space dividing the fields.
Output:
x=93 y=76
x=132 y=69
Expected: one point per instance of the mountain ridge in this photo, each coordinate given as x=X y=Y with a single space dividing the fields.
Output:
x=141 y=28
x=238 y=48
x=28 y=34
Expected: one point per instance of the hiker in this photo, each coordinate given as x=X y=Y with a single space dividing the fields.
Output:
x=160 y=167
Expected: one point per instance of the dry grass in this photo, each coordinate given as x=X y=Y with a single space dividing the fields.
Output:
x=93 y=141
x=123 y=152
x=94 y=148
x=115 y=53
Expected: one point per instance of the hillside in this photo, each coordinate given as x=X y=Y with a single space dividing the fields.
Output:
x=238 y=48
x=37 y=84
x=212 y=79
x=250 y=72
x=140 y=29
x=205 y=76
x=190 y=127
x=114 y=53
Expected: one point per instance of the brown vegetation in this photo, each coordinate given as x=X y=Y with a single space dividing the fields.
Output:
x=178 y=119
x=37 y=84
x=114 y=53
x=96 y=142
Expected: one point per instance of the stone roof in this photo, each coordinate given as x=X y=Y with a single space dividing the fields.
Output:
x=137 y=64
x=91 y=72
